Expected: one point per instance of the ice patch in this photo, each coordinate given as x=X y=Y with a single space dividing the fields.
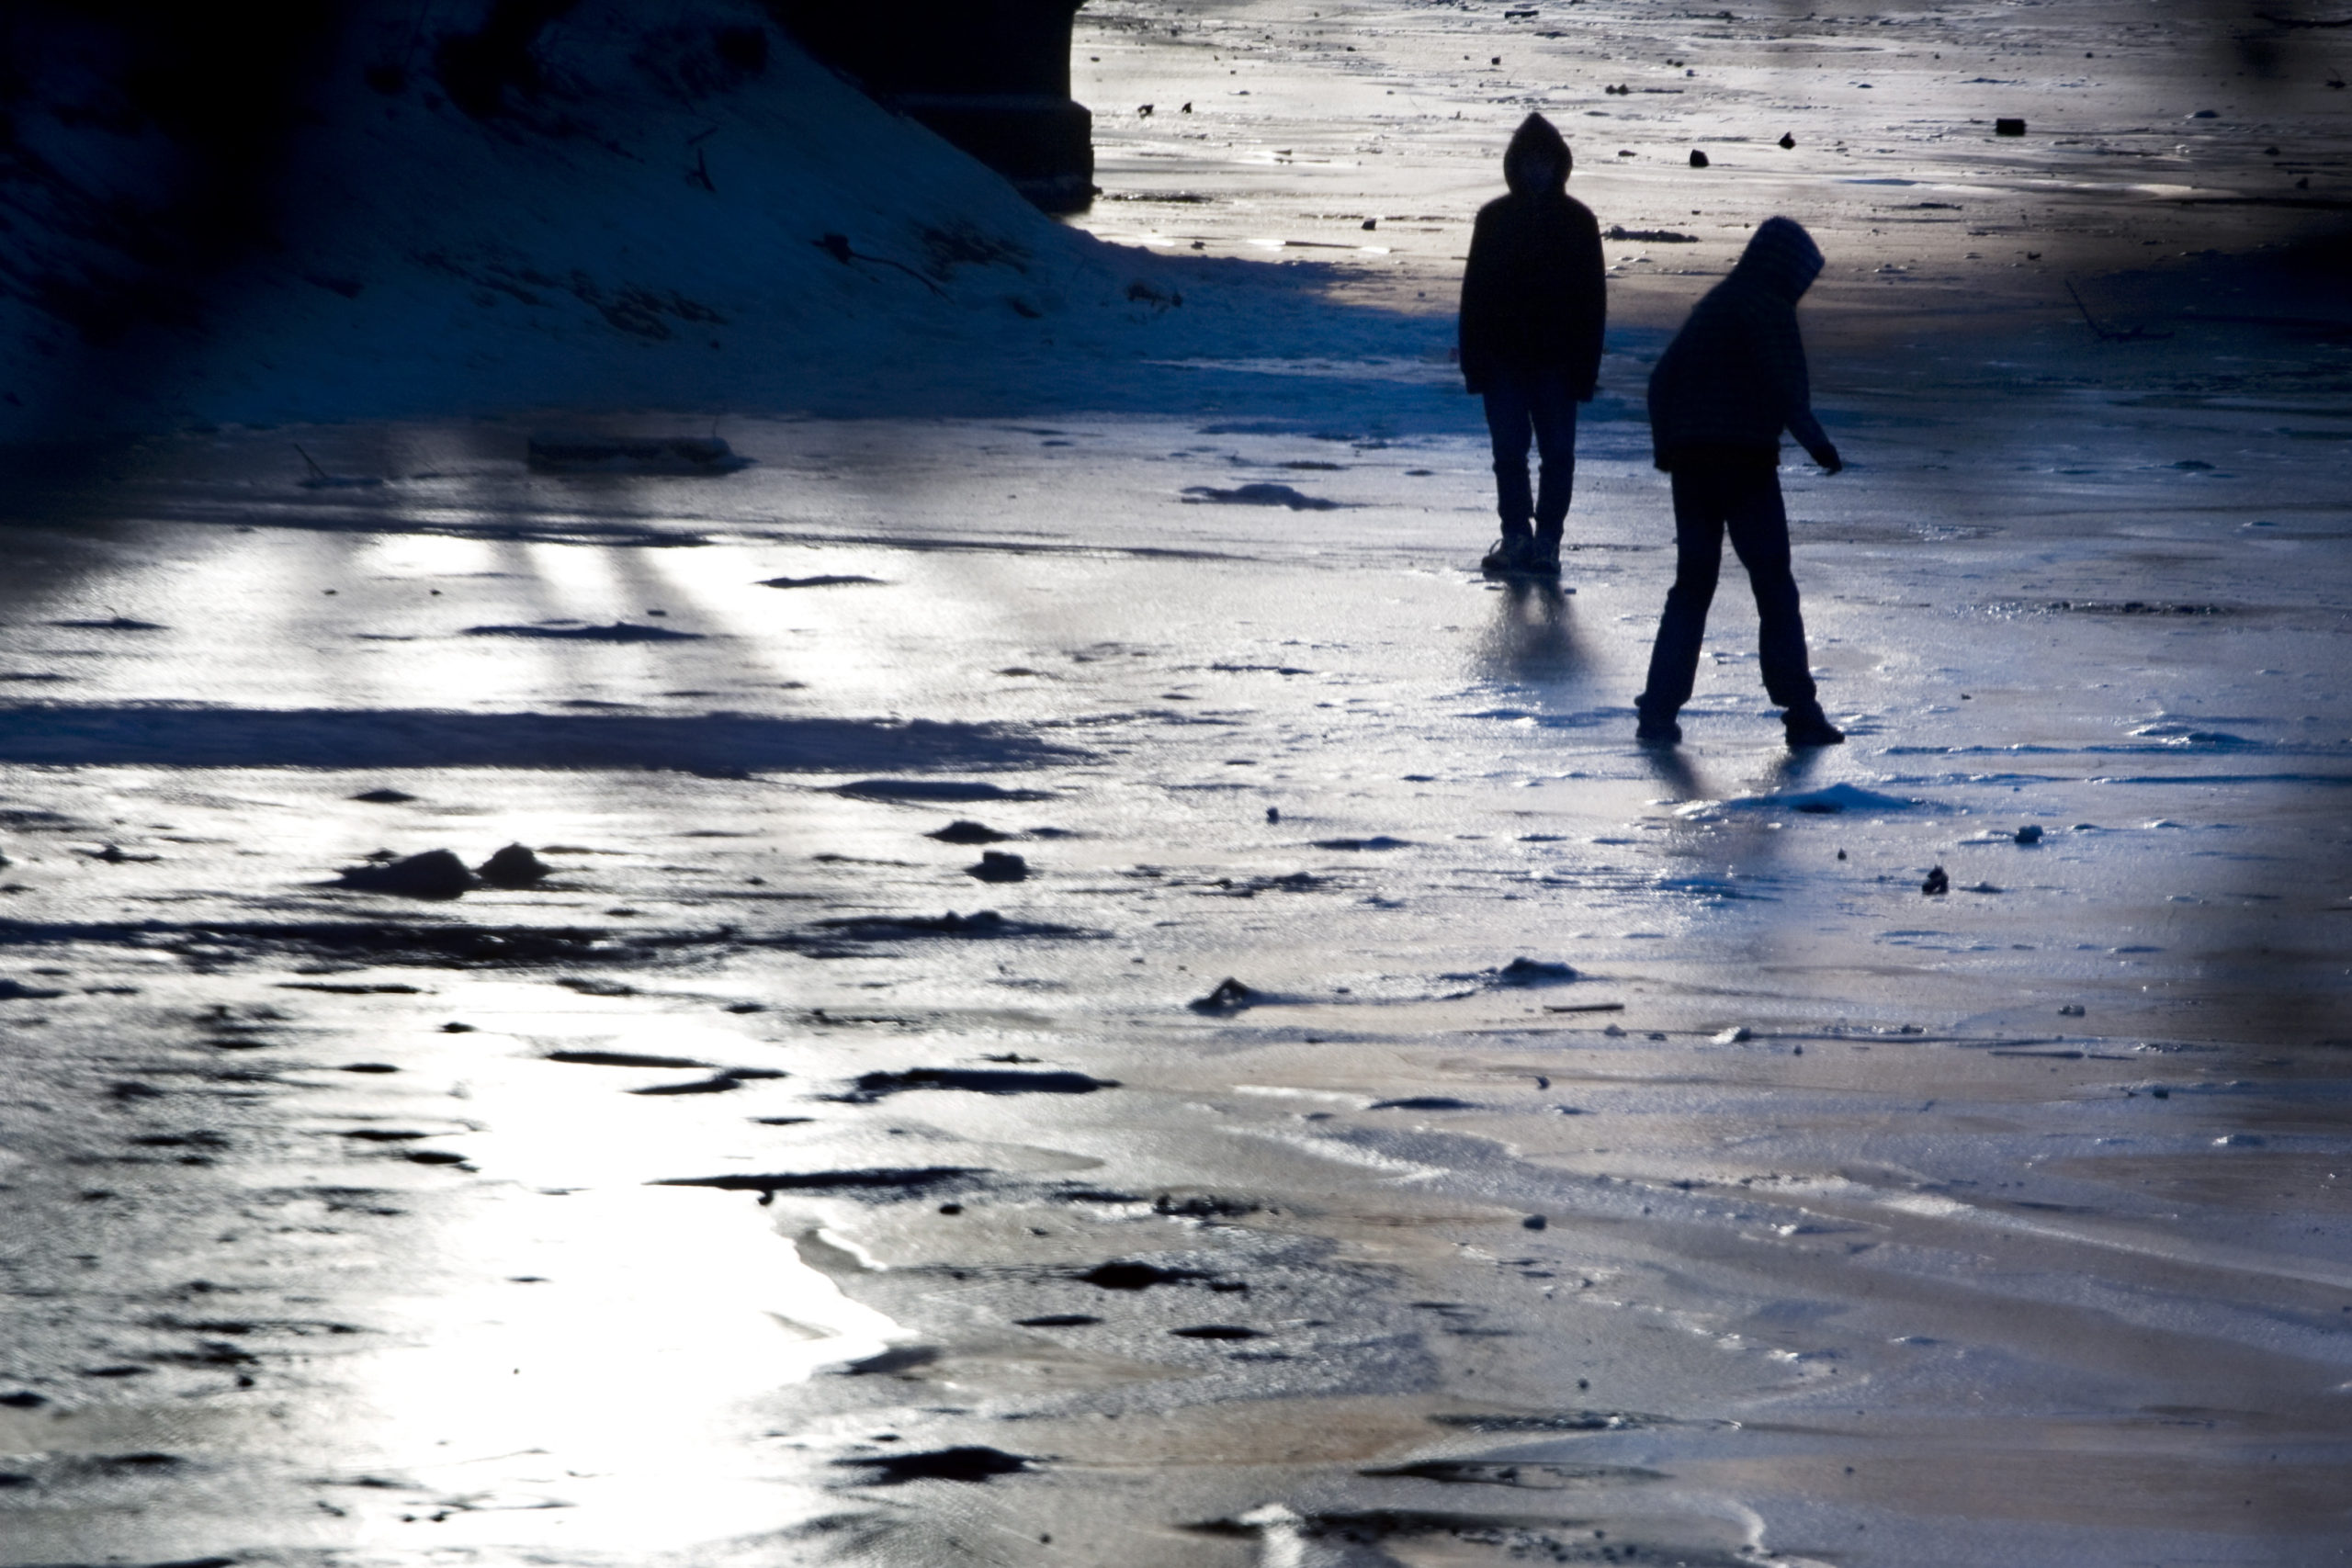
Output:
x=1533 y=720
x=1258 y=494
x=2180 y=735
x=935 y=790
x=1836 y=799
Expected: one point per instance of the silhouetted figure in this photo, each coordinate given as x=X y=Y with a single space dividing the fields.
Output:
x=1533 y=308
x=1733 y=379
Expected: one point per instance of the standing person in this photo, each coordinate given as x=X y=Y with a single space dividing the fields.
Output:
x=1533 y=308
x=1733 y=379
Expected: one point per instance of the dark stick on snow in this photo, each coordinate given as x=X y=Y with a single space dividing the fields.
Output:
x=838 y=247
x=2105 y=334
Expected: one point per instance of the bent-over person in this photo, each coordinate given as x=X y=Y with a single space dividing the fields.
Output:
x=1733 y=379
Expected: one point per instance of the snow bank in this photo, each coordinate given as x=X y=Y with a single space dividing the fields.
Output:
x=669 y=219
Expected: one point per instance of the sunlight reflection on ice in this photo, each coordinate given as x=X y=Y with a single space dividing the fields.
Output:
x=604 y=1372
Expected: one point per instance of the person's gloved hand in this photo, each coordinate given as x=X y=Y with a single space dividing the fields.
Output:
x=1826 y=455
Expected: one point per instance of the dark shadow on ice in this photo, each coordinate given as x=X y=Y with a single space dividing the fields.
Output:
x=1789 y=771
x=717 y=743
x=1359 y=1538
x=879 y=1181
x=981 y=925
x=1526 y=1475
x=1258 y=494
x=968 y=1463
x=911 y=791
x=1672 y=769
x=619 y=631
x=874 y=1085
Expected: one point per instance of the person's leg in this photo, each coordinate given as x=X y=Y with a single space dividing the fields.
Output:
x=1508 y=418
x=1552 y=406
x=1759 y=525
x=1698 y=557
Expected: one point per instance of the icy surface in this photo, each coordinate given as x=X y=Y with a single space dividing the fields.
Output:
x=758 y=1187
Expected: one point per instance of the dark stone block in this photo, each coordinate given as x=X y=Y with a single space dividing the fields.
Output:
x=991 y=76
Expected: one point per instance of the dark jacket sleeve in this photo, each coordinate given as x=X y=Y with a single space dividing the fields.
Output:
x=1481 y=305
x=1780 y=350
x=1587 y=284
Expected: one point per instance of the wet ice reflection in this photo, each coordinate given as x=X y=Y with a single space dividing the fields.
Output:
x=1826 y=1177
x=589 y=1358
x=627 y=1385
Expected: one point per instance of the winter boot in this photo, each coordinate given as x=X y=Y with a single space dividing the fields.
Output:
x=1514 y=552
x=1656 y=729
x=1808 y=726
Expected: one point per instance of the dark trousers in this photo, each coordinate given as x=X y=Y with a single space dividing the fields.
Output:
x=1541 y=402
x=1743 y=499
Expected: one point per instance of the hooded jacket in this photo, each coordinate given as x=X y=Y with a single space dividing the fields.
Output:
x=1733 y=377
x=1534 y=293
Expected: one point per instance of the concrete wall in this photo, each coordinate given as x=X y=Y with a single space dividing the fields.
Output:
x=992 y=76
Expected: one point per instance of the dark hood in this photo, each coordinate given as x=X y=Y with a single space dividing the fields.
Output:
x=1782 y=257
x=1535 y=143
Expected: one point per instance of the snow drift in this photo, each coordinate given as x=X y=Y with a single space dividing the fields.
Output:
x=662 y=205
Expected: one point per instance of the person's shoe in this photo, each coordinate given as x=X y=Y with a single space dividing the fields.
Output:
x=1656 y=729
x=1811 y=726
x=1512 y=552
x=1544 y=555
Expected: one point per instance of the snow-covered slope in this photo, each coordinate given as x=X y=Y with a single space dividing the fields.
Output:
x=668 y=220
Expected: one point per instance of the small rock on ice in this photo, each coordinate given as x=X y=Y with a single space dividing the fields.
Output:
x=997 y=865
x=1231 y=995
x=1532 y=972
x=436 y=873
x=964 y=830
x=514 y=866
